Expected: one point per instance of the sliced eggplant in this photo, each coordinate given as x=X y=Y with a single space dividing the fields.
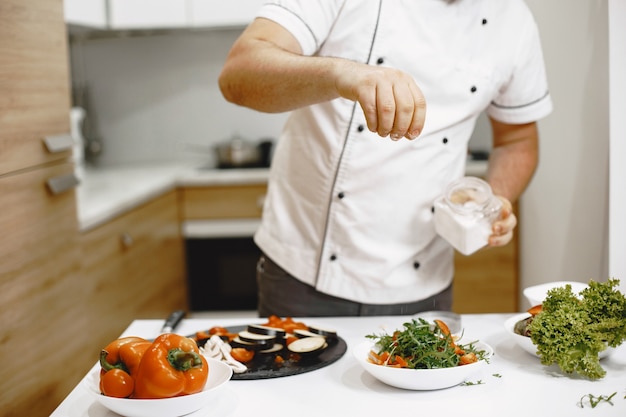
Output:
x=299 y=333
x=276 y=348
x=266 y=330
x=308 y=345
x=321 y=331
x=238 y=342
x=265 y=339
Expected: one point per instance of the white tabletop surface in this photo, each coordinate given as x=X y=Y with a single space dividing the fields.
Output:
x=513 y=384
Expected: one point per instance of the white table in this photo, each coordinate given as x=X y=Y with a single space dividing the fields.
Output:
x=513 y=384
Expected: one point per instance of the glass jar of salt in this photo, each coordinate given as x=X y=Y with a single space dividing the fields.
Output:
x=465 y=212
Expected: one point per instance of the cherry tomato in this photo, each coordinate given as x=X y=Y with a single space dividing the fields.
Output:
x=400 y=361
x=534 y=310
x=242 y=355
x=116 y=383
x=220 y=331
x=443 y=327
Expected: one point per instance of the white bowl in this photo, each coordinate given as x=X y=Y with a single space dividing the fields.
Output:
x=219 y=374
x=523 y=341
x=419 y=379
x=527 y=344
x=537 y=293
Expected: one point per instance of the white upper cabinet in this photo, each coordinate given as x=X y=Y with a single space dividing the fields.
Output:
x=160 y=14
x=88 y=13
x=219 y=13
x=147 y=14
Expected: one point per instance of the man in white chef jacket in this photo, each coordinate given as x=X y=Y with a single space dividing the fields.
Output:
x=384 y=96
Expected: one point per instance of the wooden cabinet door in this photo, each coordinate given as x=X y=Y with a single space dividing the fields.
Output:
x=134 y=266
x=34 y=83
x=42 y=354
x=487 y=281
x=223 y=202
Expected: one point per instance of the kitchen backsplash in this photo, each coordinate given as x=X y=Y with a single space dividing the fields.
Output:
x=152 y=98
x=156 y=98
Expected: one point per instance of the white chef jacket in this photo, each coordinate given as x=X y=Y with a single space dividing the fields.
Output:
x=351 y=213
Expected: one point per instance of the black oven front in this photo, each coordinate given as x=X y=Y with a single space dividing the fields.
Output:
x=221 y=265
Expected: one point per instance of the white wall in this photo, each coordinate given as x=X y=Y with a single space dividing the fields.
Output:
x=617 y=79
x=564 y=212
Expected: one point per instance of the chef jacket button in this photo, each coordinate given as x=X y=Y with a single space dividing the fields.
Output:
x=484 y=21
x=333 y=257
x=416 y=265
x=380 y=61
x=341 y=195
x=432 y=209
x=360 y=128
x=445 y=140
x=473 y=89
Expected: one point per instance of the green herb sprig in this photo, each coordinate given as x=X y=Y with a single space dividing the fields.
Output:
x=471 y=383
x=593 y=401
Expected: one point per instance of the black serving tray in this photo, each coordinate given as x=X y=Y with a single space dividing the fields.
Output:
x=264 y=366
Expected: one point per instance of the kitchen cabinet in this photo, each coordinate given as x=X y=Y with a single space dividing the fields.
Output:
x=40 y=284
x=220 y=202
x=147 y=14
x=488 y=280
x=34 y=98
x=218 y=224
x=214 y=13
x=86 y=13
x=134 y=267
x=41 y=349
x=159 y=14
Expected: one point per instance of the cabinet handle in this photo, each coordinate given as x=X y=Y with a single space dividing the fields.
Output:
x=127 y=240
x=58 y=143
x=62 y=183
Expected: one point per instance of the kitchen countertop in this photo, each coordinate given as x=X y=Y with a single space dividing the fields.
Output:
x=514 y=383
x=106 y=192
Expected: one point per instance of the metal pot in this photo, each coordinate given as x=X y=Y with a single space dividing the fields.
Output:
x=239 y=153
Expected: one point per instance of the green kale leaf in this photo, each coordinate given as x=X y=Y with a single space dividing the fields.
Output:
x=572 y=329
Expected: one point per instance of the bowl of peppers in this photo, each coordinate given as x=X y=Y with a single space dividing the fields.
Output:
x=167 y=377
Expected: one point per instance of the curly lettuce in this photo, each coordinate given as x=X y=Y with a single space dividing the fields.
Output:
x=572 y=329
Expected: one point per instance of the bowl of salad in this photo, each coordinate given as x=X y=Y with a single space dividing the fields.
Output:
x=574 y=329
x=518 y=327
x=422 y=356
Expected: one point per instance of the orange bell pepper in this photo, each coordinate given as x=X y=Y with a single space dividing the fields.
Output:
x=112 y=350
x=172 y=366
x=119 y=361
